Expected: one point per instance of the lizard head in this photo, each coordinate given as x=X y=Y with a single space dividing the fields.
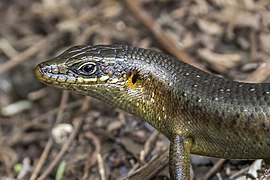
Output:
x=104 y=72
x=84 y=66
x=128 y=78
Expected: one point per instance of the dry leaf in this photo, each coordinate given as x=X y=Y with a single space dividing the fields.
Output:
x=219 y=62
x=210 y=27
x=265 y=42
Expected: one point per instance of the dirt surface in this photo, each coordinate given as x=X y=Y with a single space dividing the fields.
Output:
x=49 y=134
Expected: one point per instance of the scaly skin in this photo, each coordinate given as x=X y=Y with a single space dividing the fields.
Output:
x=199 y=112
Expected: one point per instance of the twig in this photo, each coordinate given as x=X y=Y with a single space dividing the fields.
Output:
x=261 y=74
x=66 y=146
x=164 y=40
x=92 y=157
x=42 y=159
x=254 y=46
x=63 y=104
x=239 y=173
x=54 y=111
x=151 y=168
x=25 y=55
x=101 y=168
x=83 y=37
x=214 y=169
x=26 y=138
x=85 y=104
x=38 y=94
x=49 y=144
x=147 y=146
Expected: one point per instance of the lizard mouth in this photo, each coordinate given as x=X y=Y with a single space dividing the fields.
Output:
x=50 y=75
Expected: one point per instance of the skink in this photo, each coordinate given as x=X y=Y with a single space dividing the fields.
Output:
x=200 y=113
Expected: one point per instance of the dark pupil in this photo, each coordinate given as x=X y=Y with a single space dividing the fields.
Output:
x=88 y=68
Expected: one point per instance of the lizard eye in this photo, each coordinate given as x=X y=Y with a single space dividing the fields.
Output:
x=88 y=68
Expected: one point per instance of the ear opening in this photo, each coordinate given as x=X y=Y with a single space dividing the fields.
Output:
x=134 y=78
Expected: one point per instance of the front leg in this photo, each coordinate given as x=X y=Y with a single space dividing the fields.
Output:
x=180 y=157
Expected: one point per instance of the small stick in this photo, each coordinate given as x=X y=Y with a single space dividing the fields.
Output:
x=239 y=173
x=151 y=168
x=101 y=168
x=49 y=144
x=147 y=146
x=55 y=110
x=214 y=169
x=261 y=74
x=66 y=146
x=164 y=40
x=254 y=46
x=42 y=159
x=25 y=55
x=92 y=157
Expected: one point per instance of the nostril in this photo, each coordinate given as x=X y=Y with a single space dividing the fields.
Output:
x=42 y=68
x=45 y=69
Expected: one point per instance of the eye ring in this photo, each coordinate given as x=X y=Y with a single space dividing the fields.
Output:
x=87 y=68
